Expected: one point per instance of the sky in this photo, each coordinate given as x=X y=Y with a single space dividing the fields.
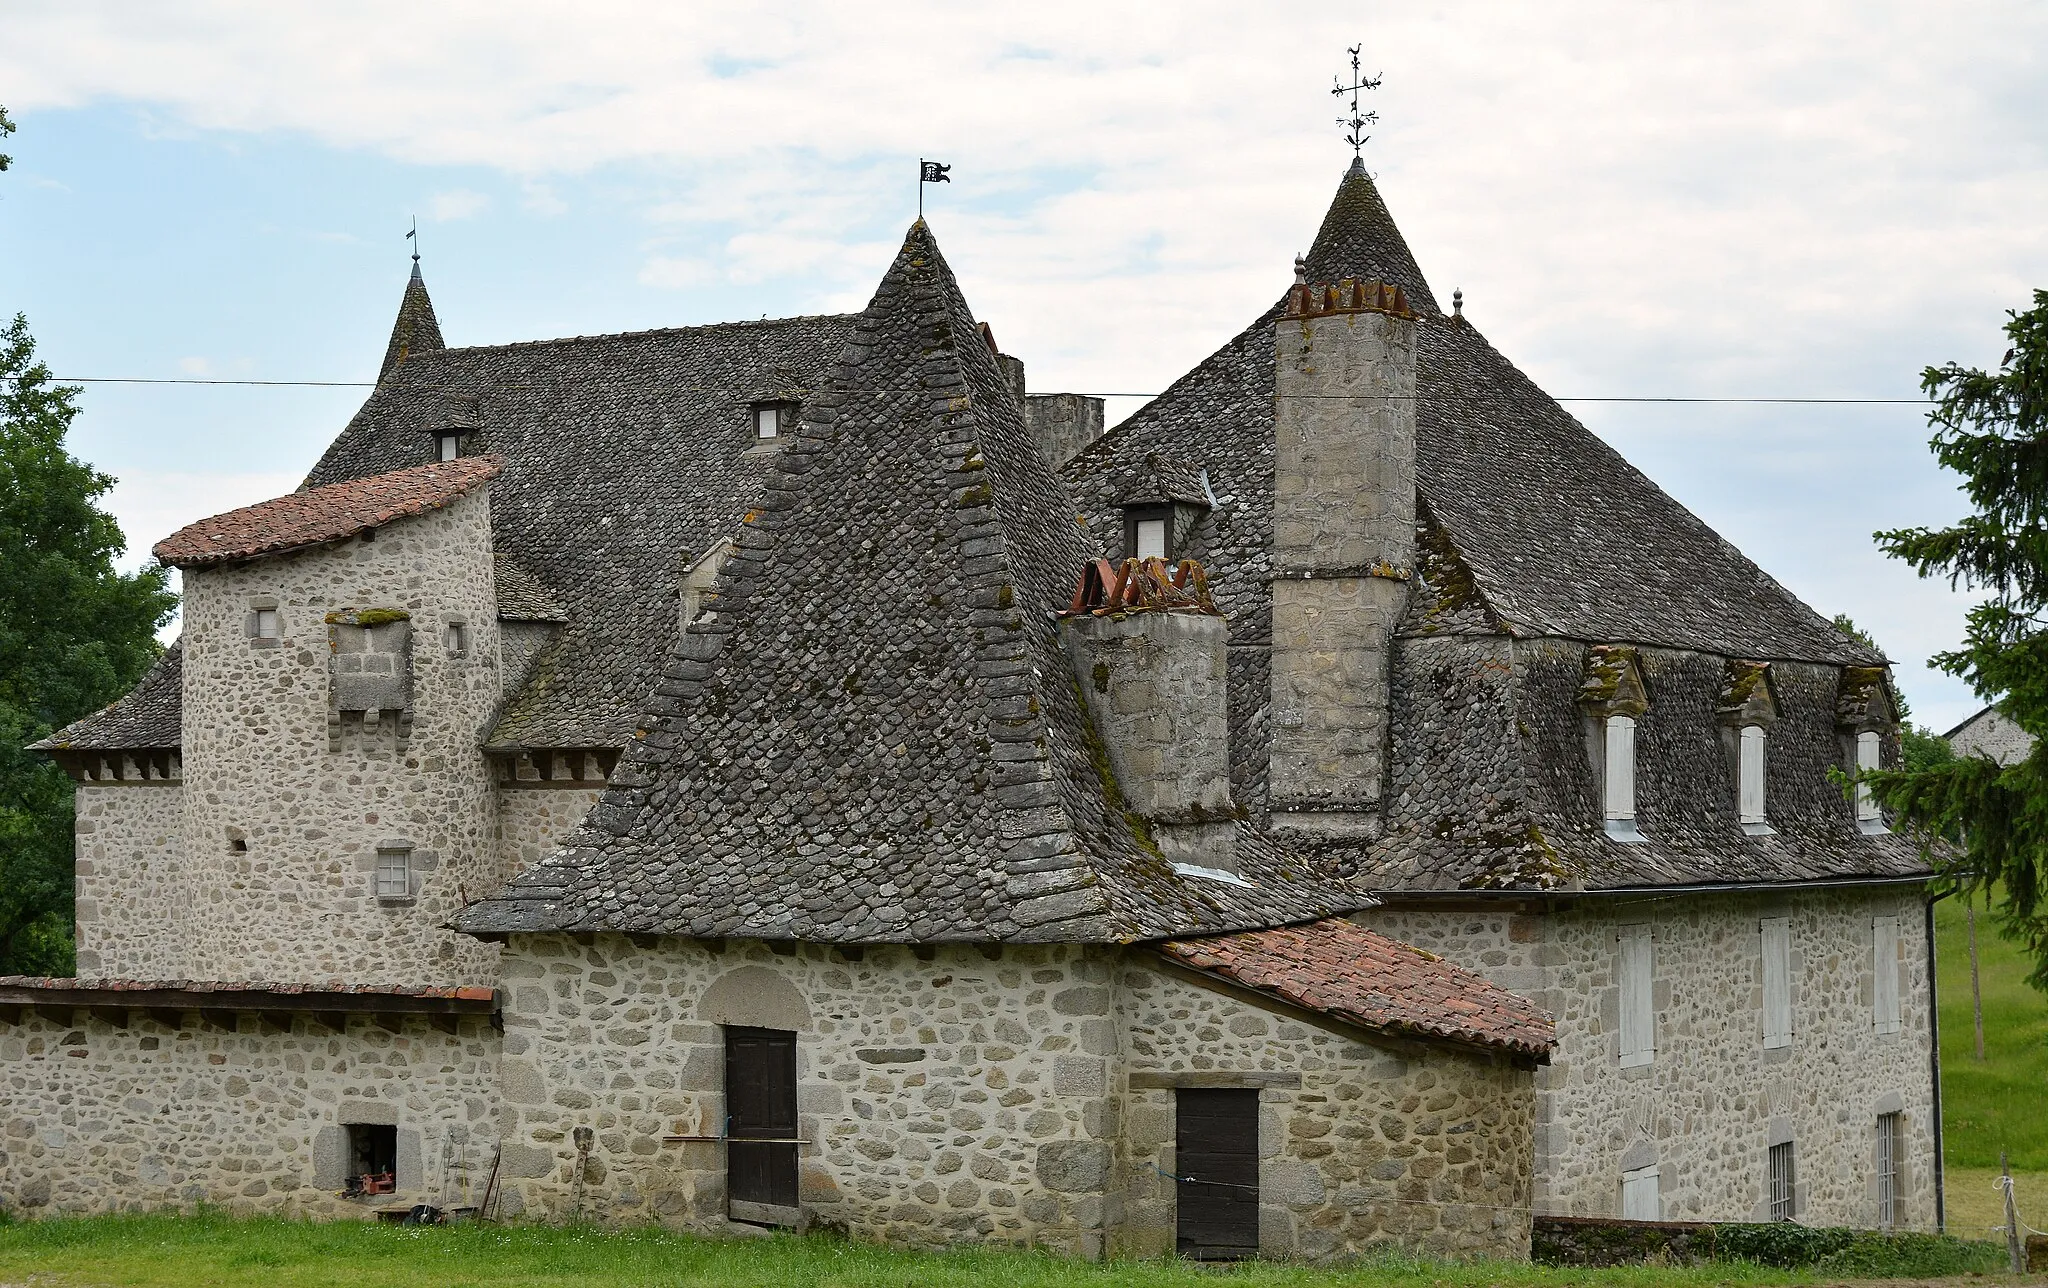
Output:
x=1740 y=200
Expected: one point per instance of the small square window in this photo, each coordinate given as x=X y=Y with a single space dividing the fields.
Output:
x=265 y=625
x=394 y=874
x=456 y=636
x=372 y=1159
x=768 y=420
x=449 y=446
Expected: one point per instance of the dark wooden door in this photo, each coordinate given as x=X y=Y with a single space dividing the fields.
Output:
x=1216 y=1157
x=760 y=1122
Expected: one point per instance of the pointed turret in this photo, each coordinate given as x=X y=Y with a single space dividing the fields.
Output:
x=416 y=330
x=1358 y=240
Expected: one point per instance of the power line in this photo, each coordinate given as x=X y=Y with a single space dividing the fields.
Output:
x=1566 y=398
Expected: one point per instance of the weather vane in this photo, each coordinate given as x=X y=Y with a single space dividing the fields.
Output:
x=414 y=238
x=1355 y=126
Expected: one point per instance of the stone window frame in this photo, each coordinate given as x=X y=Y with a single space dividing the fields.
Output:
x=1613 y=689
x=254 y=623
x=1781 y=1181
x=386 y=891
x=455 y=637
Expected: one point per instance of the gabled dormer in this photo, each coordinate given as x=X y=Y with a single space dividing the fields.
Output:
x=1614 y=697
x=1867 y=718
x=1747 y=709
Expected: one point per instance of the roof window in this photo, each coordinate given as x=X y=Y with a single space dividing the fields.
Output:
x=1618 y=786
x=1750 y=781
x=771 y=420
x=1148 y=532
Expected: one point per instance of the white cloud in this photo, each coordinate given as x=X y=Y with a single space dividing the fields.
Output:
x=445 y=207
x=199 y=367
x=1742 y=198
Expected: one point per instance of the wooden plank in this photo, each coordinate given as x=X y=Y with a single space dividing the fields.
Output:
x=761 y=1118
x=764 y=1213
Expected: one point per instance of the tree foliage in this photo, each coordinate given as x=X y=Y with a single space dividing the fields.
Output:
x=6 y=128
x=1919 y=746
x=1992 y=429
x=75 y=633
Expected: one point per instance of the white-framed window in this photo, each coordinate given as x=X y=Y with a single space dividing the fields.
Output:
x=1884 y=982
x=1777 y=970
x=1618 y=779
x=1639 y=1197
x=1750 y=778
x=448 y=445
x=265 y=624
x=1869 y=757
x=1781 y=1182
x=1151 y=539
x=1636 y=967
x=455 y=635
x=767 y=420
x=394 y=873
x=1891 y=1145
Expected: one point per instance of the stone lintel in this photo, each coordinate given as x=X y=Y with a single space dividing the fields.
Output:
x=1158 y=1080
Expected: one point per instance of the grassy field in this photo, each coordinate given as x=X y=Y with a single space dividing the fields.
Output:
x=2001 y=1101
x=216 y=1252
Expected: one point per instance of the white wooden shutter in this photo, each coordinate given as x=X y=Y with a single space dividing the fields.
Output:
x=1777 y=943
x=1868 y=755
x=1751 y=779
x=1621 y=767
x=1639 y=1197
x=1638 y=1016
x=1884 y=993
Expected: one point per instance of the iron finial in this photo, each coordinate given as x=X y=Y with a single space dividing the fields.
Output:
x=1457 y=301
x=1300 y=270
x=1355 y=125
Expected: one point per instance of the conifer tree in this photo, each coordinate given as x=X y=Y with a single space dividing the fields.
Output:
x=1992 y=429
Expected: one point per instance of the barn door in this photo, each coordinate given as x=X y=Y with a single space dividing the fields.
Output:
x=760 y=1109
x=1216 y=1157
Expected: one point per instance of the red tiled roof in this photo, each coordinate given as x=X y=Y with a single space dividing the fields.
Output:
x=323 y=513
x=1356 y=975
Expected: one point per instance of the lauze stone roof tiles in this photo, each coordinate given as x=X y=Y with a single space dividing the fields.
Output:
x=323 y=514
x=1361 y=977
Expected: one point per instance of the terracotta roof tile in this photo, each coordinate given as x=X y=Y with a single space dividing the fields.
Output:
x=323 y=513
x=1364 y=978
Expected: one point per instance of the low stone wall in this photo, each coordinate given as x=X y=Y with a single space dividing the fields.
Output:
x=1604 y=1241
x=240 y=1113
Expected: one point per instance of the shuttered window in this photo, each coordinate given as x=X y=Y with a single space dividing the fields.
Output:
x=1884 y=989
x=1618 y=779
x=1869 y=757
x=1777 y=968
x=1750 y=777
x=1638 y=1012
x=1639 y=1198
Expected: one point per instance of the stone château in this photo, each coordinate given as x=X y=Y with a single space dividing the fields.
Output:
x=709 y=775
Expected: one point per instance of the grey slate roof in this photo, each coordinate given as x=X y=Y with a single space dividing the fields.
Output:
x=416 y=330
x=875 y=736
x=1532 y=528
x=147 y=717
x=623 y=455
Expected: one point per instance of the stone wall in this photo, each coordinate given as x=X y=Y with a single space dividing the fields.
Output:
x=284 y=815
x=98 y=1117
x=533 y=820
x=960 y=1093
x=1707 y=1108
x=135 y=897
x=1362 y=1143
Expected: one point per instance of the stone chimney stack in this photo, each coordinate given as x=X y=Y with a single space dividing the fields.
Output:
x=1343 y=548
x=1150 y=651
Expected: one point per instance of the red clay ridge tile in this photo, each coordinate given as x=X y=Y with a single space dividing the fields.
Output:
x=324 y=514
x=1366 y=979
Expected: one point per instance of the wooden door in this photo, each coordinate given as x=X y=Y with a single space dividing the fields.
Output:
x=1216 y=1157
x=760 y=1117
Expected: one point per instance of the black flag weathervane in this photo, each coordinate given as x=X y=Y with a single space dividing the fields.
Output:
x=1355 y=125
x=414 y=238
x=929 y=172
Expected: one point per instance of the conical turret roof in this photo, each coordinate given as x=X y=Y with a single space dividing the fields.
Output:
x=417 y=330
x=1358 y=239
x=875 y=736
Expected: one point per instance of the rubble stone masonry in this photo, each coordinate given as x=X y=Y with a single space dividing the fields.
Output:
x=1020 y=1095
x=98 y=1116
x=1707 y=1108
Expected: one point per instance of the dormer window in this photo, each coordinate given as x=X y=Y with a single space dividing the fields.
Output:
x=1148 y=532
x=770 y=420
x=1750 y=779
x=1619 y=779
x=448 y=445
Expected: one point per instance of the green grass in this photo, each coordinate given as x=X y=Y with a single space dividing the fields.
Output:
x=213 y=1251
x=2000 y=1102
